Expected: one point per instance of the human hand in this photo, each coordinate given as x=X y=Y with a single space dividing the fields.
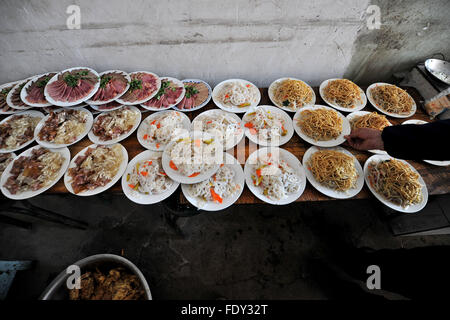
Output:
x=365 y=139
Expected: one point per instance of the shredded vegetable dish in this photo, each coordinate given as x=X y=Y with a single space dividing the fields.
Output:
x=371 y=120
x=275 y=177
x=148 y=177
x=269 y=126
x=237 y=94
x=219 y=124
x=333 y=169
x=343 y=92
x=162 y=128
x=217 y=188
x=292 y=94
x=192 y=156
x=320 y=124
x=396 y=182
x=392 y=99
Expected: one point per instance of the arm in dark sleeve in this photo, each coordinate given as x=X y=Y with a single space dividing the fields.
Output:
x=429 y=141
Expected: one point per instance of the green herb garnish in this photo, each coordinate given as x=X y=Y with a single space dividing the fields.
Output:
x=135 y=84
x=43 y=82
x=104 y=81
x=286 y=103
x=190 y=91
x=71 y=80
x=162 y=90
x=6 y=91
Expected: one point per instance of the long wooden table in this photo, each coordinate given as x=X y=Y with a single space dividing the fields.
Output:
x=436 y=178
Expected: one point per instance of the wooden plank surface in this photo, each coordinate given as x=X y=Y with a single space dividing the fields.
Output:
x=436 y=178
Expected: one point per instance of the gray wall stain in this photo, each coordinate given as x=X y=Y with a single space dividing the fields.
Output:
x=411 y=31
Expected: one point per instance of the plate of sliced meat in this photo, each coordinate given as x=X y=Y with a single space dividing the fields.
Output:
x=198 y=94
x=143 y=86
x=33 y=91
x=4 y=90
x=96 y=169
x=110 y=106
x=17 y=130
x=34 y=171
x=114 y=126
x=63 y=127
x=72 y=86
x=113 y=84
x=13 y=98
x=169 y=94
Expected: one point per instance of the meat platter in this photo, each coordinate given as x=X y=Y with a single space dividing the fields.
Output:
x=113 y=84
x=32 y=93
x=143 y=86
x=110 y=106
x=72 y=86
x=198 y=94
x=13 y=98
x=4 y=90
x=170 y=94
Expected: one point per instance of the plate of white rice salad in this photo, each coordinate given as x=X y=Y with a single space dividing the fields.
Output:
x=275 y=175
x=220 y=190
x=192 y=157
x=145 y=181
x=158 y=129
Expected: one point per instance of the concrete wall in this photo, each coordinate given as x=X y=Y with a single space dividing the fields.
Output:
x=215 y=40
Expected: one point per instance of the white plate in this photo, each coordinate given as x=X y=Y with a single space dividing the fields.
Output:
x=410 y=209
x=358 y=114
x=328 y=143
x=287 y=124
x=179 y=84
x=174 y=175
x=65 y=153
x=433 y=162
x=185 y=122
x=97 y=140
x=235 y=109
x=32 y=113
x=10 y=94
x=358 y=107
x=138 y=197
x=329 y=191
x=158 y=85
x=204 y=103
x=122 y=168
x=394 y=115
x=239 y=179
x=272 y=91
x=75 y=102
x=98 y=107
x=127 y=77
x=23 y=93
x=11 y=110
x=239 y=134
x=87 y=127
x=285 y=155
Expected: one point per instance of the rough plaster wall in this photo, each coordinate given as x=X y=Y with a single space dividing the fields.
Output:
x=411 y=31
x=213 y=40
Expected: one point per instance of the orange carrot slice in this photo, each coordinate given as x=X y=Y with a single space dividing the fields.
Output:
x=194 y=174
x=215 y=196
x=172 y=165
